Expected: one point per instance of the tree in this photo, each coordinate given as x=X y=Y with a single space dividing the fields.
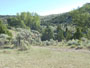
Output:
x=4 y=30
x=15 y=22
x=80 y=18
x=29 y=20
x=88 y=34
x=67 y=34
x=47 y=34
x=78 y=34
x=25 y=19
x=36 y=22
x=60 y=33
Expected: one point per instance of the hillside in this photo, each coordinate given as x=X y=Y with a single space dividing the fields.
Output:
x=5 y=17
x=55 y=19
x=65 y=18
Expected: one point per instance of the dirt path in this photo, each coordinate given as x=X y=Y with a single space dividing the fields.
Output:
x=58 y=49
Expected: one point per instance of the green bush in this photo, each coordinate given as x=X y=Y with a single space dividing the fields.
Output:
x=4 y=39
x=4 y=30
x=73 y=42
x=32 y=37
x=79 y=47
x=88 y=45
x=50 y=43
x=73 y=46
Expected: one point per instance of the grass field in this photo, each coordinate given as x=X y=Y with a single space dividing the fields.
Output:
x=44 y=57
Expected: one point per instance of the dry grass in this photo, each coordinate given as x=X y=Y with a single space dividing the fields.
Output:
x=43 y=57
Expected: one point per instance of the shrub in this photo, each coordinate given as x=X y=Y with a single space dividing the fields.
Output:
x=23 y=45
x=62 y=43
x=79 y=47
x=31 y=37
x=88 y=45
x=50 y=43
x=73 y=42
x=22 y=35
x=4 y=39
x=73 y=46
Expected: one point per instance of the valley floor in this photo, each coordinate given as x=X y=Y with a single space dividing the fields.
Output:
x=45 y=57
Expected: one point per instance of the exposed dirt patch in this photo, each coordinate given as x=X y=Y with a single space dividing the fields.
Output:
x=58 y=49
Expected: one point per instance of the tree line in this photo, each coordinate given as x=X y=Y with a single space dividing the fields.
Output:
x=60 y=34
x=25 y=20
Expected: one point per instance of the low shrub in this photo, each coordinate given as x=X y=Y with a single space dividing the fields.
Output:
x=62 y=43
x=50 y=43
x=73 y=46
x=23 y=45
x=88 y=45
x=79 y=47
x=28 y=37
x=4 y=40
x=73 y=42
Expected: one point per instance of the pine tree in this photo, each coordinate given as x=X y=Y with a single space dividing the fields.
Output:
x=47 y=34
x=88 y=34
x=60 y=33
x=78 y=34
x=67 y=34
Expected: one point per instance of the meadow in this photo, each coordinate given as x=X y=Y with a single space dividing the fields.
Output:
x=45 y=57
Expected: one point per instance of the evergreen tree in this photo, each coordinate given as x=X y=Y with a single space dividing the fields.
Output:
x=60 y=33
x=47 y=34
x=67 y=34
x=78 y=34
x=88 y=33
